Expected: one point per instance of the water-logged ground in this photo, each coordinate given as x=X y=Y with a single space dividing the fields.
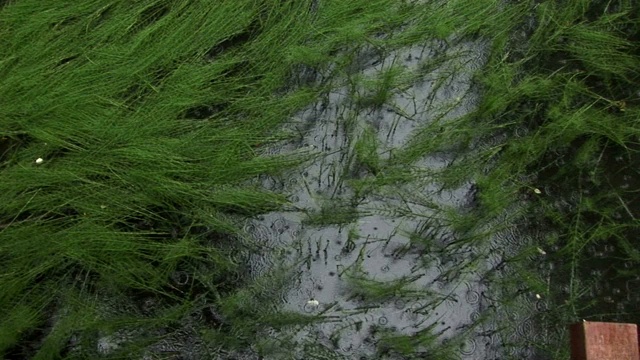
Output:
x=342 y=242
x=372 y=256
x=379 y=261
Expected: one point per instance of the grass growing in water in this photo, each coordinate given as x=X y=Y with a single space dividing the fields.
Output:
x=556 y=134
x=149 y=118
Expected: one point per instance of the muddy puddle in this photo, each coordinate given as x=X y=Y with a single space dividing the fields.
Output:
x=380 y=262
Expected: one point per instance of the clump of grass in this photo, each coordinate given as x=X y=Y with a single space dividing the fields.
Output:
x=147 y=118
x=366 y=150
x=422 y=343
x=558 y=105
x=333 y=213
x=552 y=145
x=376 y=92
x=372 y=291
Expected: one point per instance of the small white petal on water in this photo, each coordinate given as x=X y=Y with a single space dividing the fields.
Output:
x=313 y=302
x=538 y=296
x=542 y=252
x=537 y=191
x=39 y=160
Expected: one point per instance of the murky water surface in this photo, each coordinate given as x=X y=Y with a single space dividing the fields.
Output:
x=443 y=291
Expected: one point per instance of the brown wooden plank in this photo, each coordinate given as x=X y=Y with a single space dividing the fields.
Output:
x=604 y=341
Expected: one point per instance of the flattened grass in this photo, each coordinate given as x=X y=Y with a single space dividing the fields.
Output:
x=149 y=118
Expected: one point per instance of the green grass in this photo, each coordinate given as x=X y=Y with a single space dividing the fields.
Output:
x=563 y=88
x=558 y=113
x=150 y=118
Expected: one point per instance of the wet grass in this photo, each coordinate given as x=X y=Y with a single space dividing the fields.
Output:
x=554 y=142
x=130 y=136
x=150 y=120
x=552 y=147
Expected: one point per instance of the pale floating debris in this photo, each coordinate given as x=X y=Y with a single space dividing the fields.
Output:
x=537 y=191
x=39 y=161
x=542 y=252
x=103 y=206
x=313 y=302
x=538 y=296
